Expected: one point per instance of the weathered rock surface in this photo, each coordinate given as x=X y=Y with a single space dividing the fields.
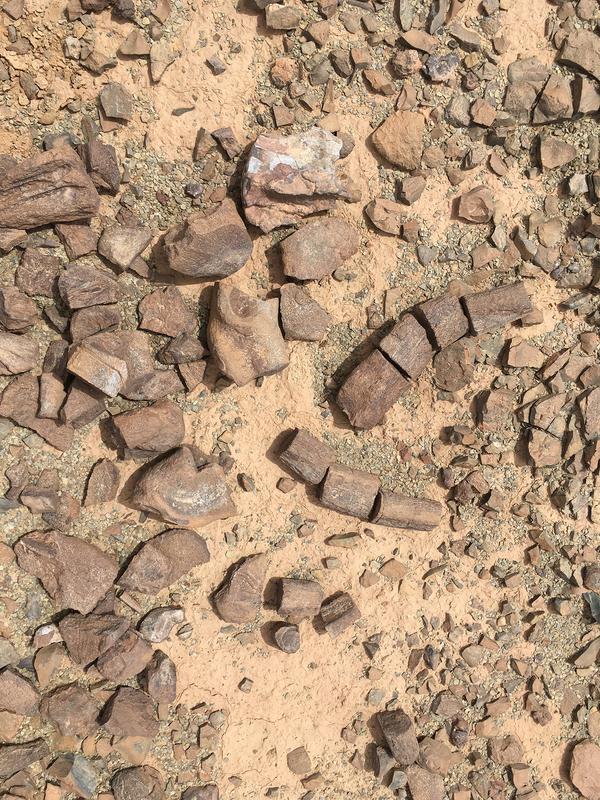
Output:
x=338 y=613
x=87 y=636
x=17 y=694
x=164 y=311
x=103 y=483
x=17 y=311
x=318 y=248
x=16 y=757
x=585 y=769
x=17 y=353
x=138 y=783
x=150 y=430
x=580 y=50
x=290 y=177
x=349 y=491
x=299 y=599
x=75 y=573
x=127 y=657
x=399 y=733
x=371 y=390
x=302 y=318
x=129 y=712
x=160 y=678
x=72 y=710
x=20 y=403
x=178 y=492
x=83 y=285
x=239 y=598
x=122 y=244
x=244 y=335
x=399 y=139
x=307 y=457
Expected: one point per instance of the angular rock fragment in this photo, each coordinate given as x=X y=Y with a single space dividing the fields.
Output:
x=129 y=712
x=307 y=457
x=46 y=188
x=150 y=430
x=82 y=285
x=75 y=774
x=157 y=625
x=287 y=178
x=17 y=354
x=138 y=783
x=399 y=511
x=407 y=345
x=164 y=311
x=477 y=205
x=299 y=599
x=371 y=390
x=555 y=101
x=399 y=733
x=82 y=406
x=302 y=318
x=206 y=246
x=20 y=403
x=78 y=239
x=443 y=318
x=582 y=51
x=160 y=678
x=454 y=365
x=86 y=637
x=244 y=335
x=75 y=573
x=102 y=165
x=425 y=785
x=17 y=311
x=239 y=597
x=17 y=694
x=584 y=770
x=399 y=139
x=298 y=761
x=102 y=370
x=349 y=491
x=387 y=215
x=338 y=613
x=121 y=244
x=103 y=483
x=127 y=657
x=178 y=492
x=589 y=405
x=183 y=349
x=208 y=792
x=555 y=152
x=495 y=308
x=72 y=710
x=318 y=248
x=163 y=559
x=17 y=757
x=37 y=272
x=116 y=101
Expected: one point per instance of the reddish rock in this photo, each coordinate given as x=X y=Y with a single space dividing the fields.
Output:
x=83 y=285
x=239 y=597
x=244 y=336
x=299 y=599
x=164 y=559
x=580 y=50
x=86 y=637
x=477 y=205
x=407 y=345
x=127 y=657
x=585 y=769
x=387 y=215
x=17 y=311
x=75 y=573
x=400 y=736
x=302 y=318
x=399 y=139
x=103 y=483
x=399 y=511
x=318 y=248
x=371 y=390
x=129 y=712
x=101 y=369
x=37 y=272
x=72 y=710
x=338 y=613
x=307 y=457
x=425 y=785
x=454 y=365
x=17 y=354
x=164 y=311
x=150 y=430
x=20 y=403
x=349 y=491
x=495 y=308
x=178 y=492
x=121 y=244
x=160 y=678
x=17 y=757
x=77 y=239
x=17 y=694
x=94 y=319
x=138 y=783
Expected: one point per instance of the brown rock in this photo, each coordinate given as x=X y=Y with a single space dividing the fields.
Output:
x=20 y=403
x=160 y=678
x=454 y=365
x=555 y=102
x=435 y=756
x=192 y=374
x=17 y=311
x=338 y=613
x=104 y=371
x=298 y=761
x=400 y=736
x=86 y=637
x=407 y=345
x=477 y=205
x=589 y=405
x=11 y=238
x=46 y=188
x=83 y=285
x=580 y=50
x=299 y=599
x=424 y=785
x=443 y=318
x=555 y=152
x=387 y=215
x=37 y=272
x=77 y=239
x=399 y=511
x=152 y=429
x=17 y=694
x=127 y=657
x=287 y=178
x=585 y=768
x=72 y=710
x=505 y=750
x=177 y=492
x=103 y=483
x=183 y=349
x=207 y=246
x=302 y=318
x=164 y=311
x=208 y=792
x=307 y=457
x=75 y=573
x=129 y=712
x=318 y=248
x=138 y=783
x=371 y=390
x=121 y=244
x=495 y=308
x=399 y=139
x=94 y=319
x=287 y=638
x=82 y=406
x=17 y=354
x=244 y=335
x=102 y=165
x=239 y=597
x=349 y=491
x=17 y=757
x=163 y=559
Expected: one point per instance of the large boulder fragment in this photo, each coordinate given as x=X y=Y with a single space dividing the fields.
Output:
x=17 y=694
x=244 y=335
x=399 y=139
x=349 y=491
x=17 y=757
x=580 y=50
x=399 y=733
x=495 y=308
x=407 y=345
x=371 y=390
x=17 y=354
x=585 y=769
x=212 y=245
x=288 y=178
x=72 y=710
x=307 y=457
x=46 y=188
x=75 y=573
x=239 y=597
x=129 y=712
x=178 y=492
x=164 y=559
x=148 y=431
x=87 y=636
x=138 y=783
x=302 y=318
x=318 y=248
x=20 y=403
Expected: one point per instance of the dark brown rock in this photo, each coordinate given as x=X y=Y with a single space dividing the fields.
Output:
x=239 y=597
x=127 y=657
x=208 y=792
x=206 y=246
x=82 y=406
x=51 y=396
x=338 y=613
x=101 y=369
x=443 y=318
x=318 y=248
x=164 y=559
x=453 y=367
x=177 y=492
x=164 y=311
x=150 y=430
x=349 y=491
x=17 y=311
x=94 y=319
x=17 y=354
x=102 y=165
x=46 y=188
x=83 y=285
x=302 y=318
x=129 y=712
x=495 y=308
x=75 y=573
x=299 y=599
x=86 y=637
x=287 y=638
x=244 y=335
x=17 y=757
x=290 y=177
x=407 y=345
x=37 y=272
x=20 y=403
x=307 y=457
x=103 y=483
x=400 y=736
x=183 y=349
x=138 y=783
x=399 y=511
x=77 y=239
x=160 y=678
x=17 y=694
x=371 y=390
x=72 y=710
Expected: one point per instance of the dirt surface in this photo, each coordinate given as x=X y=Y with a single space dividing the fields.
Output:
x=455 y=590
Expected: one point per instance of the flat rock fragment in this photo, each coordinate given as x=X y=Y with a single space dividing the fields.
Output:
x=130 y=712
x=72 y=710
x=127 y=657
x=17 y=757
x=138 y=783
x=103 y=483
x=17 y=354
x=287 y=178
x=77 y=238
x=20 y=403
x=555 y=152
x=17 y=311
x=387 y=215
x=160 y=678
x=338 y=613
x=584 y=770
x=407 y=345
x=157 y=625
x=495 y=308
x=306 y=456
x=104 y=371
x=122 y=244
x=83 y=285
x=371 y=390
x=17 y=694
x=476 y=205
x=425 y=785
x=318 y=248
x=349 y=491
x=179 y=493
x=443 y=318
x=454 y=365
x=244 y=335
x=164 y=311
x=239 y=597
x=150 y=430
x=399 y=139
x=582 y=51
x=87 y=636
x=302 y=318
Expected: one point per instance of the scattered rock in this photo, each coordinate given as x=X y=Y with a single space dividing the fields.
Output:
x=144 y=432
x=399 y=139
x=239 y=597
x=318 y=248
x=338 y=613
x=72 y=710
x=164 y=311
x=302 y=318
x=138 y=783
x=129 y=712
